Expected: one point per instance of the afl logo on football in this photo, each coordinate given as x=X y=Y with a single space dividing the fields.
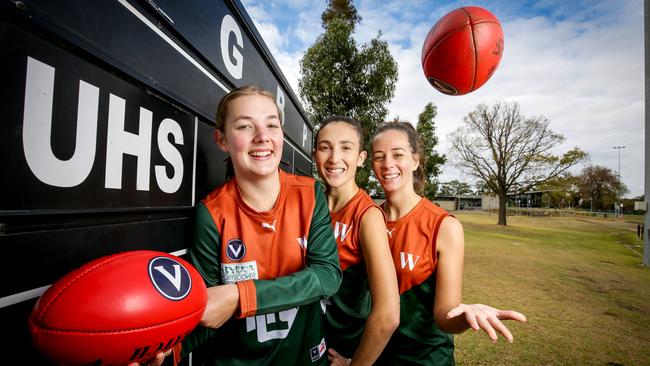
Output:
x=170 y=278
x=235 y=250
x=443 y=87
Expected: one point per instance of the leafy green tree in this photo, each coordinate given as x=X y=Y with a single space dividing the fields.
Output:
x=339 y=77
x=455 y=188
x=432 y=167
x=340 y=9
x=560 y=192
x=511 y=153
x=601 y=186
x=482 y=188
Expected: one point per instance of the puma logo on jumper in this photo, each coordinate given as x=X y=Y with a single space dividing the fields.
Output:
x=390 y=232
x=269 y=226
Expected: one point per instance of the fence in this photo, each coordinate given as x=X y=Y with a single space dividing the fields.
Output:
x=551 y=212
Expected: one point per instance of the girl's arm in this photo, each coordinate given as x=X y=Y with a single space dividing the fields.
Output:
x=384 y=315
x=320 y=278
x=450 y=246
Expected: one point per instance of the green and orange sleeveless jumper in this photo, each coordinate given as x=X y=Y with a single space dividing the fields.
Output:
x=283 y=262
x=347 y=310
x=417 y=340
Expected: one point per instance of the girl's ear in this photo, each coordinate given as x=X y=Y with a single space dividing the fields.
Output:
x=220 y=137
x=362 y=158
x=416 y=158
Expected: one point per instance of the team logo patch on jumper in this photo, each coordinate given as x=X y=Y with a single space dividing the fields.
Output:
x=407 y=258
x=235 y=272
x=317 y=352
x=235 y=250
x=170 y=278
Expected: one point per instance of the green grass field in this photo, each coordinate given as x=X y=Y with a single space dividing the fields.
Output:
x=579 y=281
x=634 y=219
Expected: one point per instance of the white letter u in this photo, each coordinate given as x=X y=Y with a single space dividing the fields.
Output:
x=37 y=129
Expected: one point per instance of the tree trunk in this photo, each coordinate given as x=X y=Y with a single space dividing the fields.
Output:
x=502 y=209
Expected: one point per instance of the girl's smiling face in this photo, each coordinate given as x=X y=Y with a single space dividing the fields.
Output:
x=252 y=136
x=393 y=160
x=338 y=153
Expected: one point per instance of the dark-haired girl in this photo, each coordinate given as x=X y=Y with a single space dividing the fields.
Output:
x=428 y=249
x=363 y=314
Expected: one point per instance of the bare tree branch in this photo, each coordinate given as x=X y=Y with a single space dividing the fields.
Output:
x=509 y=152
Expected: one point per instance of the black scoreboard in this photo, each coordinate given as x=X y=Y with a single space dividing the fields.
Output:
x=106 y=132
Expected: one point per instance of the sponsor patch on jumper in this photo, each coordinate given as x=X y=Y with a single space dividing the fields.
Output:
x=318 y=351
x=236 y=272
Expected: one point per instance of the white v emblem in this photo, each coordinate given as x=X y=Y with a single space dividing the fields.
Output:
x=176 y=279
x=235 y=252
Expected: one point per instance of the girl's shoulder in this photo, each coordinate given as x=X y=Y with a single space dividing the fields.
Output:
x=357 y=206
x=426 y=214
x=221 y=192
x=296 y=180
x=433 y=208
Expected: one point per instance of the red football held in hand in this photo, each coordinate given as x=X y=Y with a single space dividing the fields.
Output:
x=462 y=50
x=118 y=309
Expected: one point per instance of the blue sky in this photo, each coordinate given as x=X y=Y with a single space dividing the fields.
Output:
x=578 y=63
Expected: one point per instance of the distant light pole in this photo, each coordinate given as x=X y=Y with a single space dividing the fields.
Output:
x=618 y=204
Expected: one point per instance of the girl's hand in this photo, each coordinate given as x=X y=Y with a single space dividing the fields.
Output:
x=336 y=359
x=223 y=301
x=156 y=361
x=485 y=317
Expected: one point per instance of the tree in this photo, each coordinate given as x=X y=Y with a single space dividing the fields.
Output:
x=340 y=9
x=561 y=191
x=600 y=185
x=482 y=188
x=511 y=153
x=341 y=78
x=433 y=161
x=455 y=188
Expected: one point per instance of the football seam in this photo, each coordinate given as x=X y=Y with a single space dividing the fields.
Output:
x=456 y=30
x=449 y=34
x=478 y=21
x=474 y=48
x=470 y=21
x=117 y=331
x=73 y=280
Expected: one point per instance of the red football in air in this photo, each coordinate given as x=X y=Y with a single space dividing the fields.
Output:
x=118 y=309
x=462 y=50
